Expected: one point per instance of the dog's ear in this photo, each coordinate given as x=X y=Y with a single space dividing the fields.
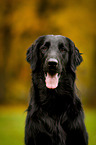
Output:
x=32 y=52
x=78 y=57
x=31 y=56
x=75 y=56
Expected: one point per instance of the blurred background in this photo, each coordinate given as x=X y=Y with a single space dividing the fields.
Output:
x=21 y=22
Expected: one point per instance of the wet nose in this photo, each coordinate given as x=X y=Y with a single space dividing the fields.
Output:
x=52 y=63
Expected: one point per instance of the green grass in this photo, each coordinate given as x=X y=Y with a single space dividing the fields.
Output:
x=90 y=121
x=12 y=122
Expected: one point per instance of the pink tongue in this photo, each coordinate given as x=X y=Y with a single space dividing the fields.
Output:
x=52 y=81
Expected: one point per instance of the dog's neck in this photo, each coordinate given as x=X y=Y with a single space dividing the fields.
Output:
x=54 y=100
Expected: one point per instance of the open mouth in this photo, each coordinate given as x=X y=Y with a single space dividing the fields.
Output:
x=52 y=81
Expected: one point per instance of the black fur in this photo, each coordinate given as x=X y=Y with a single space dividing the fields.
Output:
x=55 y=116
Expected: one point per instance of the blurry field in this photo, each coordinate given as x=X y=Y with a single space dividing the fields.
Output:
x=90 y=120
x=12 y=121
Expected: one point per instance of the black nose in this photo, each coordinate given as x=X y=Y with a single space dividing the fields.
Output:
x=52 y=63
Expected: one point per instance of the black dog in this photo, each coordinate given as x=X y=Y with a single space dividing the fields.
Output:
x=55 y=115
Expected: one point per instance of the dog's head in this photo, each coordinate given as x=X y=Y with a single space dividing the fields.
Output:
x=52 y=55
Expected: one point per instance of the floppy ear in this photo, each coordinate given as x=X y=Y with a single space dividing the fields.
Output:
x=32 y=56
x=75 y=57
x=78 y=57
x=32 y=52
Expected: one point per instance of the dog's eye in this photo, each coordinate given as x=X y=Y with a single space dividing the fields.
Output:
x=44 y=49
x=62 y=48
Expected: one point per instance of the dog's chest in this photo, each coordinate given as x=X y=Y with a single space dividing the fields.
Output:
x=56 y=131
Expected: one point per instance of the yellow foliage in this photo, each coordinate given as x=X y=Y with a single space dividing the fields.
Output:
x=23 y=21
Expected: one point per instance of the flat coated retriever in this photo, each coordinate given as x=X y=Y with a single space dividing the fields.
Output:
x=55 y=114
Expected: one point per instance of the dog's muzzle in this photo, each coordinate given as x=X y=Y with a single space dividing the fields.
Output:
x=52 y=76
